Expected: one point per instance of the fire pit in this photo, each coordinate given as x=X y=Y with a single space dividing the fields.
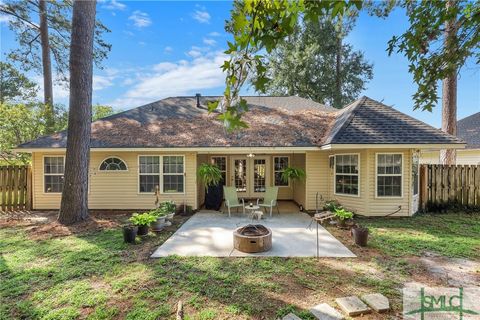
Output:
x=252 y=238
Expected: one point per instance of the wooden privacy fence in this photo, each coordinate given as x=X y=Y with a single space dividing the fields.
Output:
x=15 y=188
x=449 y=184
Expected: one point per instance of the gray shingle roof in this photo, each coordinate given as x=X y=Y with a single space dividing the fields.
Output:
x=367 y=121
x=273 y=122
x=469 y=130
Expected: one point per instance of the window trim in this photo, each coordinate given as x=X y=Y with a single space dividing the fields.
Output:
x=55 y=174
x=160 y=180
x=139 y=174
x=273 y=171
x=335 y=175
x=117 y=171
x=393 y=175
x=172 y=174
x=226 y=166
x=415 y=154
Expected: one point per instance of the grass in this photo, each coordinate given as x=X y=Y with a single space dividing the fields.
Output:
x=96 y=276
x=451 y=235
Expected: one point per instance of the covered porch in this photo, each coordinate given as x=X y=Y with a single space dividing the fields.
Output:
x=252 y=172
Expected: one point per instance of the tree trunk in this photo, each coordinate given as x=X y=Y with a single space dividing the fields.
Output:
x=338 y=77
x=74 y=206
x=449 y=92
x=47 y=68
x=337 y=103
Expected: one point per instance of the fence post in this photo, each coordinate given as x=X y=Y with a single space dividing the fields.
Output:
x=29 y=194
x=423 y=187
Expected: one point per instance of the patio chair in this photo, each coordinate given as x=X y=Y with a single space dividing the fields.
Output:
x=269 y=200
x=231 y=199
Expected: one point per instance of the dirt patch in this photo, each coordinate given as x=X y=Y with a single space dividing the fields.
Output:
x=452 y=271
x=42 y=225
x=55 y=229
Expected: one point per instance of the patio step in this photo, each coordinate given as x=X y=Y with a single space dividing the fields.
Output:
x=291 y=316
x=377 y=302
x=324 y=311
x=352 y=306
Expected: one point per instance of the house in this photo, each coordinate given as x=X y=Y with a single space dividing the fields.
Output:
x=468 y=129
x=364 y=155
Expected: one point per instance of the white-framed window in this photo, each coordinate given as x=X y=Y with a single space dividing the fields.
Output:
x=113 y=164
x=53 y=171
x=280 y=164
x=389 y=170
x=221 y=163
x=165 y=171
x=173 y=174
x=347 y=174
x=149 y=173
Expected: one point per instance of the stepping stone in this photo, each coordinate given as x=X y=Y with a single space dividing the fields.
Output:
x=291 y=316
x=352 y=306
x=377 y=302
x=324 y=311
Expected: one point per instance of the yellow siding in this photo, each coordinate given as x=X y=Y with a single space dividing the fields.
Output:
x=320 y=178
x=316 y=164
x=117 y=190
x=383 y=206
x=464 y=157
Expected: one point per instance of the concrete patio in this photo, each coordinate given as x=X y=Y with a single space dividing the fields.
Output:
x=209 y=234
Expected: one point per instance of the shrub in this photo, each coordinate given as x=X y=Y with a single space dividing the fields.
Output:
x=332 y=205
x=343 y=214
x=167 y=207
x=142 y=219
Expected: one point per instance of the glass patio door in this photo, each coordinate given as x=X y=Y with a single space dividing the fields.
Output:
x=259 y=175
x=250 y=176
x=240 y=175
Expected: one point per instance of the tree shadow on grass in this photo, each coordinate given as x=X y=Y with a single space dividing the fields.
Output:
x=453 y=235
x=96 y=273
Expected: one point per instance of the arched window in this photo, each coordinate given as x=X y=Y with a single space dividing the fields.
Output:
x=113 y=164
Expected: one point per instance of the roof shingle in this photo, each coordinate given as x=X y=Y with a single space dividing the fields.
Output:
x=367 y=121
x=469 y=130
x=273 y=122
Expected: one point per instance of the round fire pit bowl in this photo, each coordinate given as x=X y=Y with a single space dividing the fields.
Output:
x=252 y=238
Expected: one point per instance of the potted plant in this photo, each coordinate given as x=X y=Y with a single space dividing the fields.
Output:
x=168 y=208
x=331 y=206
x=129 y=233
x=159 y=222
x=360 y=235
x=142 y=221
x=211 y=176
x=292 y=173
x=342 y=215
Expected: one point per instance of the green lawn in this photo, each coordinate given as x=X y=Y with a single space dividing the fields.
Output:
x=452 y=235
x=96 y=276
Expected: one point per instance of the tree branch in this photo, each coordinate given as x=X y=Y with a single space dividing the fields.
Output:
x=5 y=10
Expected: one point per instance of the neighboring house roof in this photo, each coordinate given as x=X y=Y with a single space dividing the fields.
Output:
x=468 y=129
x=273 y=122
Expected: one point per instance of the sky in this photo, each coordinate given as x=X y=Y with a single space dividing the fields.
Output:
x=162 y=49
